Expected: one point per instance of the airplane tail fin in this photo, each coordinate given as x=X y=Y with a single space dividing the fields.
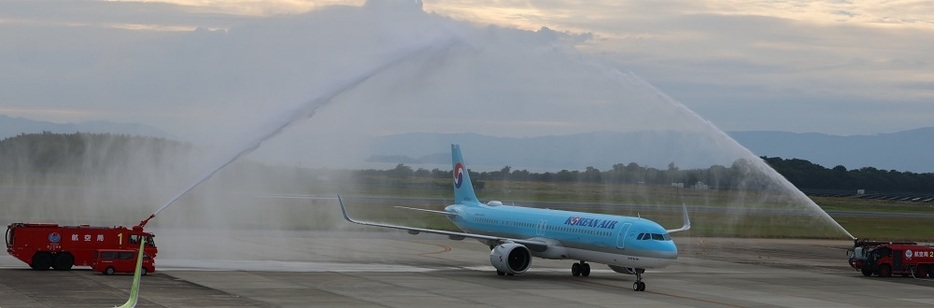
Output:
x=134 y=290
x=463 y=189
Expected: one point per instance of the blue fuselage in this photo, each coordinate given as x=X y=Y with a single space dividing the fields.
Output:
x=610 y=239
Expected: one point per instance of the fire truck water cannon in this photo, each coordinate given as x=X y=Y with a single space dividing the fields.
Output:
x=143 y=222
x=887 y=258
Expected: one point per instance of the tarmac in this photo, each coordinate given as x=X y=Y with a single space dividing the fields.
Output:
x=197 y=268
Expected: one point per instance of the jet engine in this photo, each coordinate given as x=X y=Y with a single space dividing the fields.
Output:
x=511 y=258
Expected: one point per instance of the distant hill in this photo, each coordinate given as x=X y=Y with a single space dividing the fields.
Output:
x=13 y=126
x=911 y=150
x=904 y=151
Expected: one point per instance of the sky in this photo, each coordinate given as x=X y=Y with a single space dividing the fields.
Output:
x=189 y=66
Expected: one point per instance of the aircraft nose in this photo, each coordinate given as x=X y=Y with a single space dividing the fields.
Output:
x=670 y=255
x=671 y=252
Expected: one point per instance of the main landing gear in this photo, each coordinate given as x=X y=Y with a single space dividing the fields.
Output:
x=580 y=269
x=638 y=285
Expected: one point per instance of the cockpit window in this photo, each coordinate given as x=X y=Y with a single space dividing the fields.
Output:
x=654 y=236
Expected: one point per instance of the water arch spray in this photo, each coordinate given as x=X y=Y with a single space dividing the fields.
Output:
x=304 y=111
x=761 y=167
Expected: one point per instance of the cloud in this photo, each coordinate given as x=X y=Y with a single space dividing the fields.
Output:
x=125 y=56
x=702 y=52
x=177 y=77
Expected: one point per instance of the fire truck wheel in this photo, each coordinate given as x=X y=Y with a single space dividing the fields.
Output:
x=885 y=270
x=109 y=271
x=921 y=271
x=41 y=261
x=63 y=262
x=143 y=271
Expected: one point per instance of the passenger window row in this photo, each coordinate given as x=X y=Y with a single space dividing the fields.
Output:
x=551 y=228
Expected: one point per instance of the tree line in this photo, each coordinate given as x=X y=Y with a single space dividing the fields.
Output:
x=47 y=152
x=740 y=175
x=805 y=174
x=56 y=153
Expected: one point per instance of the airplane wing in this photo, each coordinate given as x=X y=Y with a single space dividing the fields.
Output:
x=427 y=210
x=531 y=244
x=687 y=222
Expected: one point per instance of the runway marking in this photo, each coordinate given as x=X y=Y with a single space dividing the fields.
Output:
x=443 y=250
x=660 y=293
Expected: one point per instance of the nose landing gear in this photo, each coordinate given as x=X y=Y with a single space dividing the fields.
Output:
x=638 y=285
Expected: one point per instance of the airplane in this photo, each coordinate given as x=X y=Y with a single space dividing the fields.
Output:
x=515 y=234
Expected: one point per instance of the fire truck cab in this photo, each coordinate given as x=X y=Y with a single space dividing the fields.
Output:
x=44 y=245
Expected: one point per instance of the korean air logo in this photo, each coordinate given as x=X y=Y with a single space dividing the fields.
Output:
x=908 y=254
x=54 y=237
x=458 y=175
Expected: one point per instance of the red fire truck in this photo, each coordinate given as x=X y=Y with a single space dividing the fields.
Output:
x=43 y=245
x=892 y=258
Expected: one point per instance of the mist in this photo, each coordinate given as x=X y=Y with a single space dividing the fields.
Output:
x=268 y=86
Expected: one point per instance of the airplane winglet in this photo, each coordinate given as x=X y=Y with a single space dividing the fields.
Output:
x=687 y=221
x=344 y=210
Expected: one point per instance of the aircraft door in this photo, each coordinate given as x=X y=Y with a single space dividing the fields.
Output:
x=542 y=224
x=623 y=233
